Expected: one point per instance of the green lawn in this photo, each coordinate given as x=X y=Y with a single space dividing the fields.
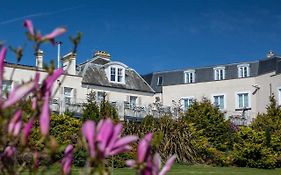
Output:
x=203 y=170
x=196 y=170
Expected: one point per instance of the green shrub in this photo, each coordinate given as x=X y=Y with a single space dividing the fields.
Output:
x=208 y=118
x=251 y=151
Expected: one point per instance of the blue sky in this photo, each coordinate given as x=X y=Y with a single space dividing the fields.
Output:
x=151 y=35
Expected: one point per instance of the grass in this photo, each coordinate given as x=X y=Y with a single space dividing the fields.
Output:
x=198 y=170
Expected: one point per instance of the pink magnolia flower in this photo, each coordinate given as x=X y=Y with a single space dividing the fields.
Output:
x=21 y=91
x=109 y=141
x=145 y=163
x=47 y=91
x=38 y=37
x=27 y=130
x=45 y=117
x=88 y=131
x=67 y=160
x=15 y=124
x=105 y=139
x=10 y=151
x=2 y=57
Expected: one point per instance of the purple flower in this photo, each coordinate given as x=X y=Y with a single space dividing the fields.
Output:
x=36 y=36
x=106 y=139
x=166 y=167
x=28 y=24
x=109 y=141
x=145 y=163
x=67 y=160
x=49 y=81
x=15 y=124
x=88 y=131
x=2 y=57
x=45 y=117
x=46 y=92
x=27 y=130
x=9 y=151
x=21 y=91
x=51 y=37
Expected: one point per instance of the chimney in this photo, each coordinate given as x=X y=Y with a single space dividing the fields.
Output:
x=102 y=54
x=270 y=54
x=69 y=63
x=39 y=59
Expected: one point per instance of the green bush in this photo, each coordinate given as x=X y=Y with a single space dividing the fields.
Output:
x=210 y=120
x=94 y=111
x=250 y=150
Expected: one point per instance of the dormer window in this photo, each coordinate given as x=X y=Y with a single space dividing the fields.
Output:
x=112 y=74
x=243 y=70
x=219 y=73
x=189 y=76
x=160 y=81
x=117 y=74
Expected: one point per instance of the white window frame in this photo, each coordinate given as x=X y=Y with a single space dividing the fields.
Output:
x=69 y=96
x=279 y=95
x=119 y=76
x=237 y=99
x=189 y=98
x=243 y=67
x=224 y=100
x=189 y=76
x=100 y=98
x=158 y=81
x=217 y=73
x=133 y=105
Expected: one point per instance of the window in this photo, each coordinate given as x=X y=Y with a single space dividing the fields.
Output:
x=219 y=101
x=100 y=96
x=117 y=74
x=68 y=94
x=187 y=102
x=243 y=70
x=120 y=75
x=160 y=81
x=133 y=101
x=112 y=74
x=6 y=86
x=219 y=73
x=189 y=76
x=243 y=100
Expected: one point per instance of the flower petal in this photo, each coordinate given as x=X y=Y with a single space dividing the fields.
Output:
x=144 y=148
x=88 y=131
x=18 y=93
x=125 y=141
x=28 y=24
x=2 y=58
x=105 y=134
x=45 y=116
x=27 y=130
x=168 y=165
x=15 y=124
x=55 y=33
x=131 y=163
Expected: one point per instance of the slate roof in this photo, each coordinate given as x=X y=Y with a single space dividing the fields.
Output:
x=93 y=73
x=206 y=74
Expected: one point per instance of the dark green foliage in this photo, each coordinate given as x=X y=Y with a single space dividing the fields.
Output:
x=171 y=136
x=251 y=150
x=91 y=109
x=94 y=111
x=80 y=157
x=210 y=120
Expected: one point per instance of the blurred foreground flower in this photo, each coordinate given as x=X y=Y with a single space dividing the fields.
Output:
x=105 y=139
x=67 y=160
x=145 y=163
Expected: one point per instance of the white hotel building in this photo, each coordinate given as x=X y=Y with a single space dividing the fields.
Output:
x=240 y=90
